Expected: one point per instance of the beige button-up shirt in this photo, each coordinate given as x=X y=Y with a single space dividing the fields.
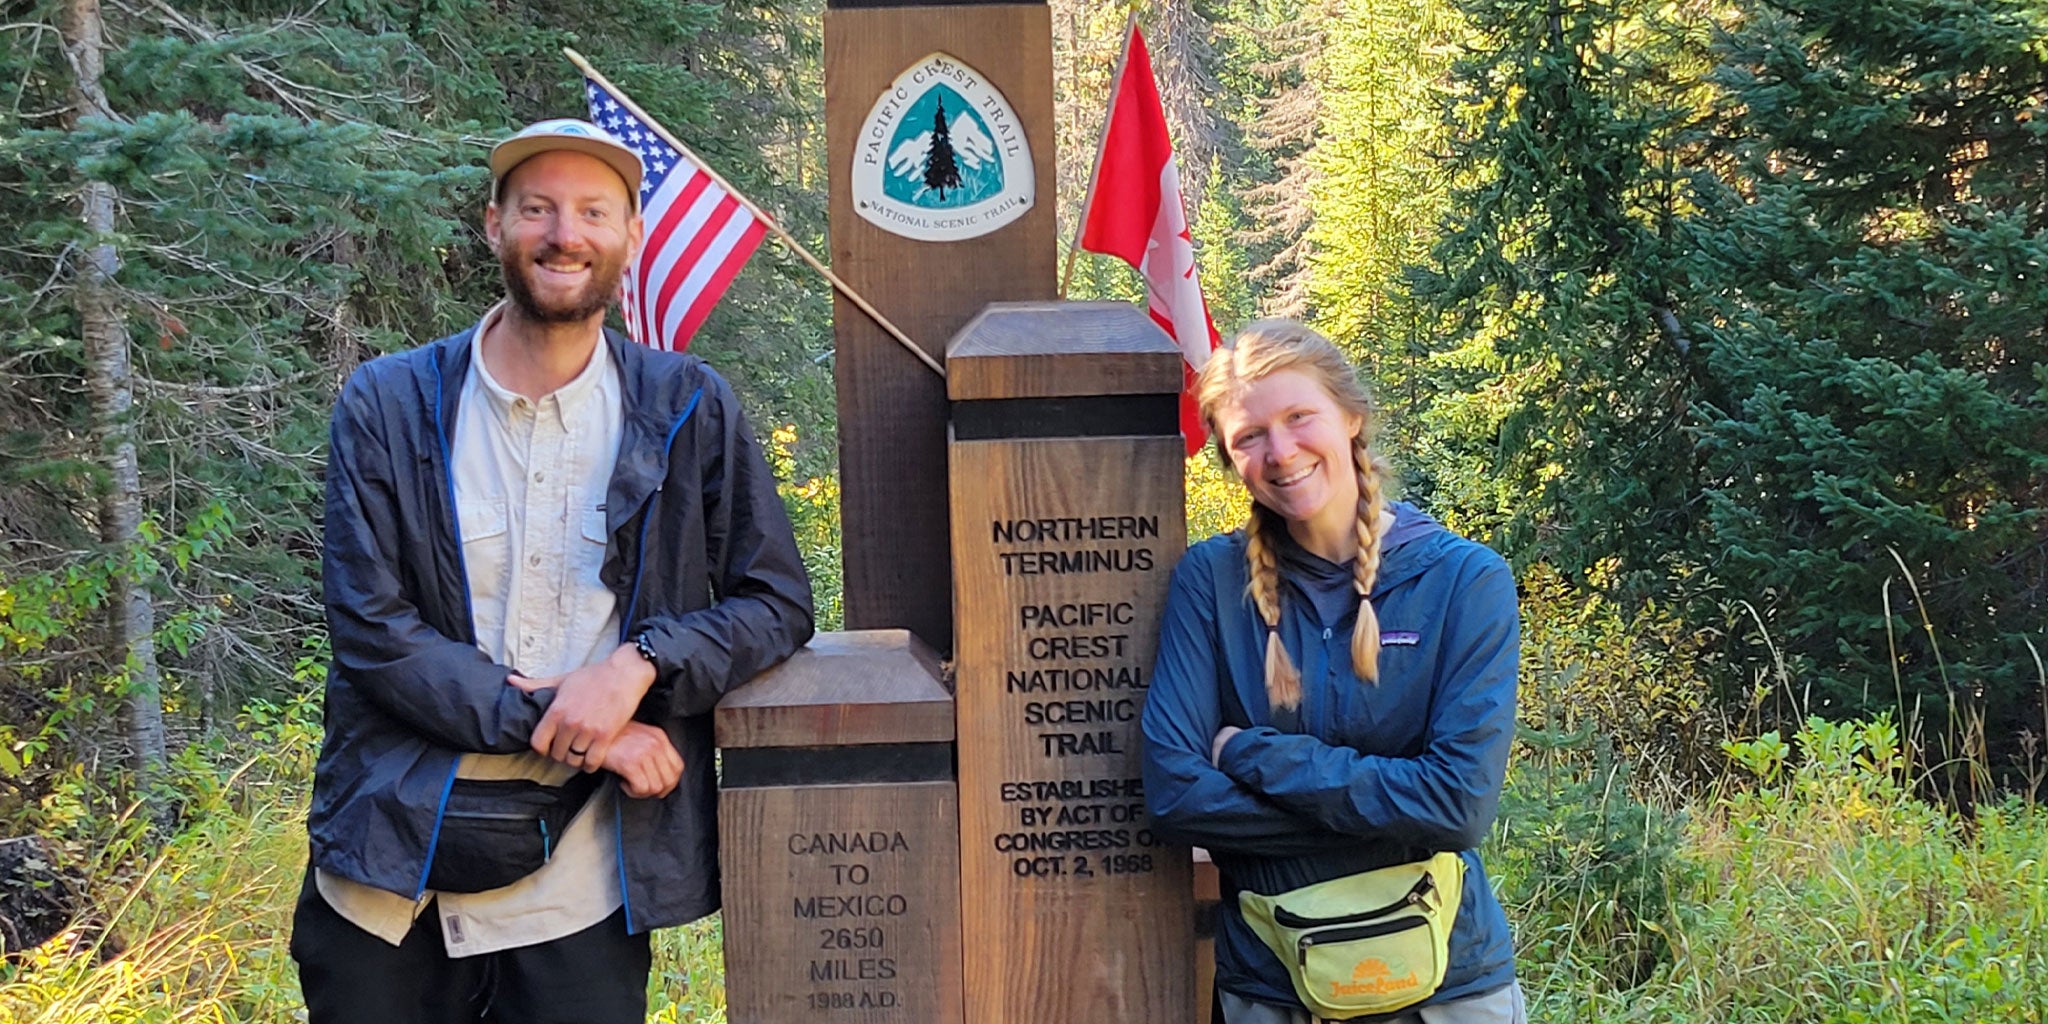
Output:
x=530 y=482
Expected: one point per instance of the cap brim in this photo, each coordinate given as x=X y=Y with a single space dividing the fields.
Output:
x=515 y=151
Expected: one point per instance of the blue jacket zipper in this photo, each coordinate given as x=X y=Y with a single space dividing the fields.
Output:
x=626 y=627
x=469 y=614
x=667 y=446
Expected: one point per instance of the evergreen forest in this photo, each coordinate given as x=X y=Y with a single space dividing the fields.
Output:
x=1725 y=321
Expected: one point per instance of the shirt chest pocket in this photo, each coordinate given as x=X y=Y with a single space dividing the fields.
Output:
x=486 y=559
x=589 y=556
x=586 y=600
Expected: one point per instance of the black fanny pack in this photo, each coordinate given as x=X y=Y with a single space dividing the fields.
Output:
x=497 y=831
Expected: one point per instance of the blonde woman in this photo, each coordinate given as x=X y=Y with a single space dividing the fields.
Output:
x=1335 y=685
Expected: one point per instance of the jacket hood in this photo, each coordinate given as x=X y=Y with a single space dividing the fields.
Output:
x=1416 y=542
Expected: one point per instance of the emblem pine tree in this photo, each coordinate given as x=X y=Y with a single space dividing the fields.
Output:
x=940 y=170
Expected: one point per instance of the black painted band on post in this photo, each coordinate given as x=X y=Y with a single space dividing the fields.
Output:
x=989 y=419
x=747 y=767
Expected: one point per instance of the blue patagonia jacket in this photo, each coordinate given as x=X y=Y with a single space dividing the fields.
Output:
x=700 y=554
x=1372 y=774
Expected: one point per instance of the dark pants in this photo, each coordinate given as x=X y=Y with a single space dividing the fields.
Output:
x=596 y=976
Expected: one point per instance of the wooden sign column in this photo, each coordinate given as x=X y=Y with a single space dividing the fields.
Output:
x=892 y=408
x=839 y=837
x=1067 y=522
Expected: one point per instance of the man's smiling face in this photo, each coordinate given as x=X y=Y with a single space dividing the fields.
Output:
x=563 y=227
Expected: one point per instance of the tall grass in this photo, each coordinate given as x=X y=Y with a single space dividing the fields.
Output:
x=1809 y=885
x=201 y=934
x=1803 y=881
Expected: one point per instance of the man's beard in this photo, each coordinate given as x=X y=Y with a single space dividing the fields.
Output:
x=604 y=284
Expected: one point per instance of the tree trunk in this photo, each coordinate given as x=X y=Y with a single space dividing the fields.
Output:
x=104 y=330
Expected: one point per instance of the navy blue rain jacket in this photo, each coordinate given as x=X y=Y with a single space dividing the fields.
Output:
x=699 y=552
x=1371 y=774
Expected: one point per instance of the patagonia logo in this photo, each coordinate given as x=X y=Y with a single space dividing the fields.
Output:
x=1400 y=638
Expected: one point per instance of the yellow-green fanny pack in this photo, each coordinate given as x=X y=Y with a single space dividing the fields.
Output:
x=1366 y=943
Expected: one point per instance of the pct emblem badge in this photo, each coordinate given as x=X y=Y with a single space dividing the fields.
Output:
x=942 y=157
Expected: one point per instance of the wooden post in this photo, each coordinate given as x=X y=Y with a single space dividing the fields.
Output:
x=927 y=267
x=838 y=822
x=1067 y=521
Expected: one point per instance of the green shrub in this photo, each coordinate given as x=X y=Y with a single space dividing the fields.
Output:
x=1811 y=886
x=1635 y=678
x=1585 y=868
x=200 y=932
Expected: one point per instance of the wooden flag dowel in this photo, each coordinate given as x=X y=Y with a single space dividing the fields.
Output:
x=1067 y=274
x=762 y=215
x=1116 y=79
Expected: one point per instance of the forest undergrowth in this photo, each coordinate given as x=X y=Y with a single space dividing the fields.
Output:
x=1798 y=878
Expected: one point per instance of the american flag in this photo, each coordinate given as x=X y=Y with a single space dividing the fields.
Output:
x=698 y=234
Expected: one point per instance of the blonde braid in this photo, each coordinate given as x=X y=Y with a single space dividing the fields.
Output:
x=1373 y=524
x=1283 y=683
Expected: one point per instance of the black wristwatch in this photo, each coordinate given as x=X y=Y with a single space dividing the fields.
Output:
x=645 y=646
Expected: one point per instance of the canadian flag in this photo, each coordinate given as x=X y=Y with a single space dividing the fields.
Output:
x=1135 y=212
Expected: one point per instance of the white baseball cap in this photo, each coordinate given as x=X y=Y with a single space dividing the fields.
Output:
x=570 y=134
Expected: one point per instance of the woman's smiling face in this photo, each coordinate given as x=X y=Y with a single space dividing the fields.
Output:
x=1290 y=442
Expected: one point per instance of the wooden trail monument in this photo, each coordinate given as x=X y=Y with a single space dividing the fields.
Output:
x=862 y=882
x=1067 y=521
x=895 y=850
x=838 y=837
x=930 y=230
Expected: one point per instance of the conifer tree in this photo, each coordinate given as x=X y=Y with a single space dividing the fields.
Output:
x=1380 y=194
x=1746 y=316
x=1188 y=90
x=941 y=172
x=1873 y=444
x=294 y=191
x=1282 y=128
x=103 y=329
x=1567 y=378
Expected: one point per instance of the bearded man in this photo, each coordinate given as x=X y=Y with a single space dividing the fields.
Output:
x=548 y=553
